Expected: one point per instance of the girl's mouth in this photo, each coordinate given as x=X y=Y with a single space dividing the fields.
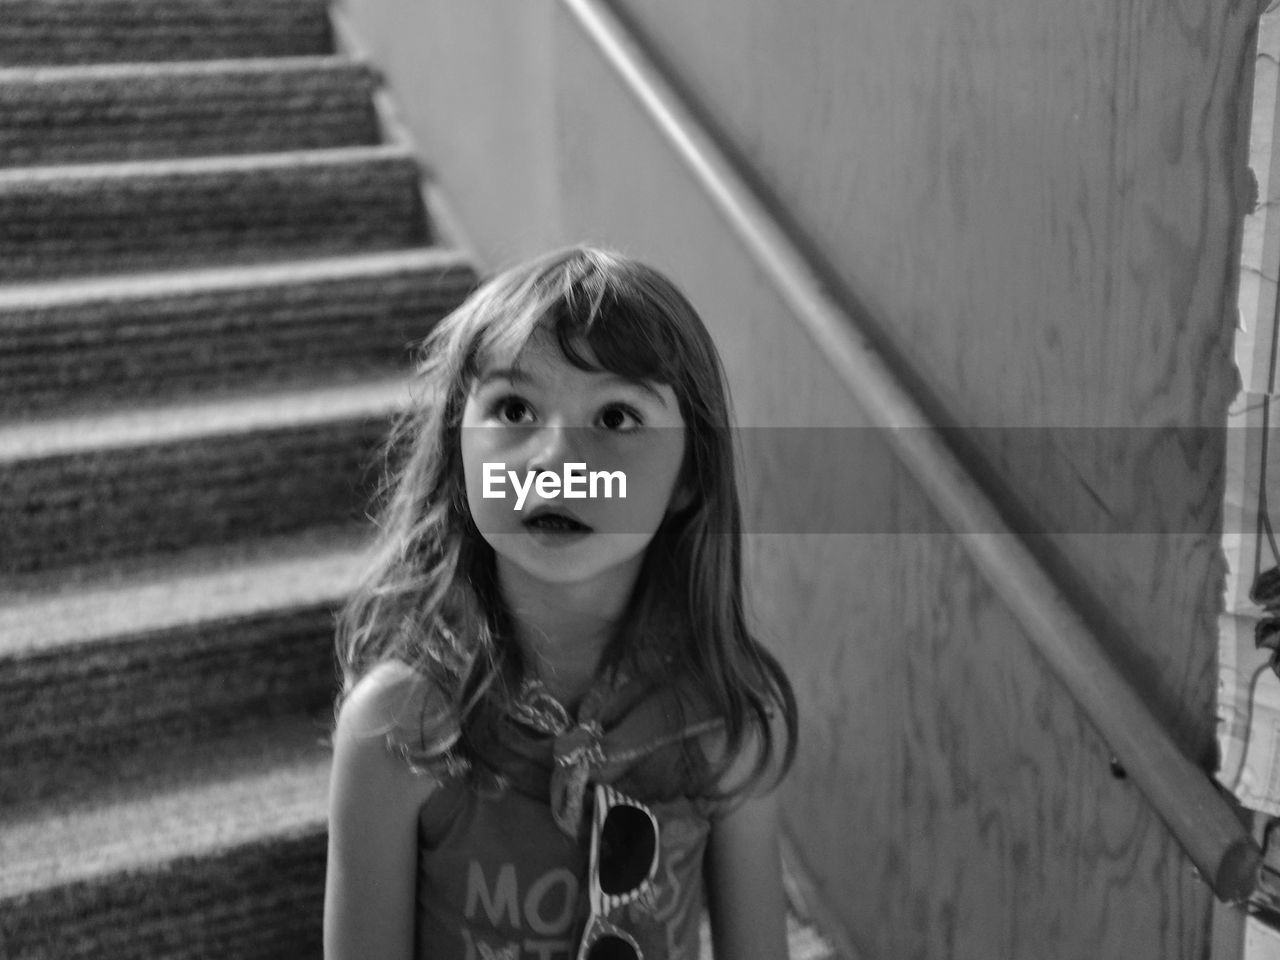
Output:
x=556 y=523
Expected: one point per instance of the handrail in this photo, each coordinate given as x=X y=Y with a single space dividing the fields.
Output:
x=1200 y=818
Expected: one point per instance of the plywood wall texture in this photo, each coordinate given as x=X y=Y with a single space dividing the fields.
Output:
x=1037 y=205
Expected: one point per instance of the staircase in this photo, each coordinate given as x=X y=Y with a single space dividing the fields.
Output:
x=214 y=253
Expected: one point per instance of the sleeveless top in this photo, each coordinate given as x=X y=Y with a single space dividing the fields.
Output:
x=502 y=869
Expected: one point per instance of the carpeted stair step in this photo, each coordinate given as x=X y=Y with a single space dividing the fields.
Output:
x=99 y=31
x=147 y=215
x=179 y=331
x=133 y=111
x=100 y=675
x=220 y=852
x=82 y=488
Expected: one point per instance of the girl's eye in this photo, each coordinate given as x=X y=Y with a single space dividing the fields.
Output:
x=620 y=418
x=511 y=410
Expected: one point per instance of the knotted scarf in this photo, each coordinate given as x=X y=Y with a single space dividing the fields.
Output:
x=576 y=745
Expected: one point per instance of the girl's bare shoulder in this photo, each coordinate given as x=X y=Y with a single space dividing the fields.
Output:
x=391 y=698
x=386 y=708
x=756 y=767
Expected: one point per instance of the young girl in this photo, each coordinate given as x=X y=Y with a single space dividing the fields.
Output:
x=555 y=728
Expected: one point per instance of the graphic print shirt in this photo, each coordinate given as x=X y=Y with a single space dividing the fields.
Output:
x=502 y=871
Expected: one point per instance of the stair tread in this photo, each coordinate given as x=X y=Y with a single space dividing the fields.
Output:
x=316 y=566
x=177 y=69
x=201 y=280
x=115 y=112
x=240 y=412
x=40 y=31
x=12 y=178
x=263 y=784
x=142 y=215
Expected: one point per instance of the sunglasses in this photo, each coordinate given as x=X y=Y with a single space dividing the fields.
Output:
x=624 y=859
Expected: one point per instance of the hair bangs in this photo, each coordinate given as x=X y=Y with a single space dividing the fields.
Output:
x=599 y=323
x=608 y=326
x=498 y=339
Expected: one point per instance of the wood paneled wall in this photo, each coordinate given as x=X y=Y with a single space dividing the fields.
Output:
x=1037 y=207
x=950 y=799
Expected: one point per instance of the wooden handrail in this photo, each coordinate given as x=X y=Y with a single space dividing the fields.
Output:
x=1199 y=817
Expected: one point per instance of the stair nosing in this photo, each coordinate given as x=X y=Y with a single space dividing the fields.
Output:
x=202 y=280
x=242 y=412
x=63 y=73
x=205 y=165
x=202 y=586
x=167 y=821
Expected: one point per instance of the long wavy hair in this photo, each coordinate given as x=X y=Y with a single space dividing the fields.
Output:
x=430 y=596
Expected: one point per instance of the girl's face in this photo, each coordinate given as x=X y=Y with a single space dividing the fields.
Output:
x=538 y=414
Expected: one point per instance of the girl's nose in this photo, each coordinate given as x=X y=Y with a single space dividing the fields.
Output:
x=552 y=449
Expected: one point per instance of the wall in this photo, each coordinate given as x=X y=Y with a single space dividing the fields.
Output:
x=472 y=82
x=1034 y=208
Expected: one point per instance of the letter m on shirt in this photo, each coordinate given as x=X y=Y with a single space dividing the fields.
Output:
x=504 y=898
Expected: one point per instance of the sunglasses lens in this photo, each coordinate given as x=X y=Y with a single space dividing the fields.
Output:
x=628 y=843
x=609 y=947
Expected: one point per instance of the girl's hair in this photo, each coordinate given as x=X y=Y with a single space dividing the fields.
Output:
x=430 y=596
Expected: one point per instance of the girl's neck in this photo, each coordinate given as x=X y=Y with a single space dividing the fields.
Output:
x=563 y=631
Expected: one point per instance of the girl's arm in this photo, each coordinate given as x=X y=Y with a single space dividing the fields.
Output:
x=744 y=866
x=744 y=884
x=374 y=800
